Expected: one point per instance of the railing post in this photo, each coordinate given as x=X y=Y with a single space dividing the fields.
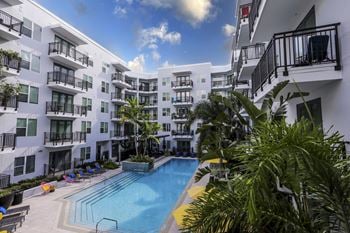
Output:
x=285 y=72
x=10 y=28
x=337 y=54
x=3 y=142
x=14 y=141
x=274 y=55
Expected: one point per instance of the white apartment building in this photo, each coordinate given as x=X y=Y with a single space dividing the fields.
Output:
x=305 y=42
x=71 y=90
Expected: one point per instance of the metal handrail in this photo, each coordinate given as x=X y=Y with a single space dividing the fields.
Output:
x=11 y=22
x=68 y=51
x=59 y=77
x=108 y=219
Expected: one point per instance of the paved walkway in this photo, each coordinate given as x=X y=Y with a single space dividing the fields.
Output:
x=47 y=211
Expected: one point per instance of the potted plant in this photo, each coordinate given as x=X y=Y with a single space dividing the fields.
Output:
x=17 y=194
x=8 y=90
x=6 y=198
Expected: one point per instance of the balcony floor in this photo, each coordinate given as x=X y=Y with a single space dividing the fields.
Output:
x=68 y=61
x=66 y=88
x=8 y=35
x=247 y=70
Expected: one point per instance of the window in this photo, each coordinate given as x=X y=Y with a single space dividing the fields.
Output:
x=104 y=107
x=30 y=164
x=105 y=87
x=19 y=166
x=315 y=108
x=23 y=93
x=26 y=127
x=166 y=111
x=166 y=96
x=203 y=96
x=88 y=79
x=165 y=81
x=87 y=102
x=104 y=70
x=37 y=32
x=86 y=127
x=199 y=125
x=35 y=64
x=203 y=80
x=91 y=63
x=27 y=27
x=166 y=127
x=104 y=127
x=25 y=63
x=34 y=95
x=31 y=93
x=85 y=153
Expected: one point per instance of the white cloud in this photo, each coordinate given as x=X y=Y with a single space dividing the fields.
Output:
x=120 y=11
x=193 y=11
x=155 y=55
x=151 y=36
x=229 y=30
x=153 y=46
x=127 y=1
x=137 y=64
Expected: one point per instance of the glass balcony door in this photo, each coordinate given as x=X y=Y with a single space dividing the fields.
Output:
x=63 y=102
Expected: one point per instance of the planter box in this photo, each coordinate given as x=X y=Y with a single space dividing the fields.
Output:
x=6 y=201
x=136 y=166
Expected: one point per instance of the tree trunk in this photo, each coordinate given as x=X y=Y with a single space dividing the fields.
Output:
x=135 y=140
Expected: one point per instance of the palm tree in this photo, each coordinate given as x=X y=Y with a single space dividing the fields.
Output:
x=147 y=133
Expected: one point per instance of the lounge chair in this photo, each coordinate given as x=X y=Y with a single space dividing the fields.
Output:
x=9 y=228
x=93 y=171
x=99 y=167
x=69 y=179
x=22 y=209
x=83 y=175
x=12 y=220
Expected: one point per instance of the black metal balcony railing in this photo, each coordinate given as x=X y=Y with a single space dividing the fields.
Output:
x=11 y=102
x=64 y=138
x=116 y=95
x=65 y=108
x=182 y=133
x=148 y=88
x=116 y=114
x=300 y=48
x=188 y=99
x=13 y=63
x=177 y=116
x=249 y=53
x=68 y=51
x=117 y=133
x=254 y=14
x=185 y=83
x=153 y=117
x=149 y=103
x=242 y=17
x=118 y=77
x=66 y=79
x=222 y=83
x=7 y=140
x=11 y=22
x=237 y=83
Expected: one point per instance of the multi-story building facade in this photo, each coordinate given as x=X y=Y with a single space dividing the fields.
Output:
x=71 y=89
x=305 y=42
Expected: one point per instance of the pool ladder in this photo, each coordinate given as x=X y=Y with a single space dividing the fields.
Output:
x=107 y=219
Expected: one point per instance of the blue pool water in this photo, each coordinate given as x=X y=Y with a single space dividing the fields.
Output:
x=141 y=202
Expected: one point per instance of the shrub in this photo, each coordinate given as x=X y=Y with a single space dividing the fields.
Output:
x=141 y=159
x=110 y=165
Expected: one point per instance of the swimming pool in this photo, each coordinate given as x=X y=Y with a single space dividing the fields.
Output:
x=140 y=202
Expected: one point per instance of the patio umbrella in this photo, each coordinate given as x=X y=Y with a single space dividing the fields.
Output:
x=196 y=191
x=216 y=161
x=180 y=213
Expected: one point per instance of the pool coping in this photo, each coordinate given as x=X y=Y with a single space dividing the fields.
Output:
x=63 y=220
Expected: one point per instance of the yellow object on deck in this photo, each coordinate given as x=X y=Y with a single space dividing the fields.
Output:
x=179 y=214
x=215 y=161
x=196 y=191
x=3 y=231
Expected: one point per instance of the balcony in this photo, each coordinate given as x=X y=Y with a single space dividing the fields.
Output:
x=13 y=2
x=7 y=142
x=182 y=85
x=132 y=89
x=118 y=79
x=8 y=106
x=150 y=104
x=242 y=32
x=10 y=27
x=176 y=117
x=221 y=85
x=54 y=140
x=118 y=98
x=148 y=89
x=241 y=85
x=184 y=101
x=270 y=16
x=118 y=135
x=68 y=55
x=248 y=59
x=10 y=66
x=66 y=83
x=301 y=56
x=116 y=116
x=182 y=135
x=58 y=110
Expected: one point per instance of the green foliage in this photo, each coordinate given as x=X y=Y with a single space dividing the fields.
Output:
x=141 y=159
x=110 y=165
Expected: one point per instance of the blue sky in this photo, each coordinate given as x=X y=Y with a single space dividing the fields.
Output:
x=153 y=33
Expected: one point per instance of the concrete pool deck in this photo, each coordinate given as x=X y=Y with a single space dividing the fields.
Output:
x=48 y=213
